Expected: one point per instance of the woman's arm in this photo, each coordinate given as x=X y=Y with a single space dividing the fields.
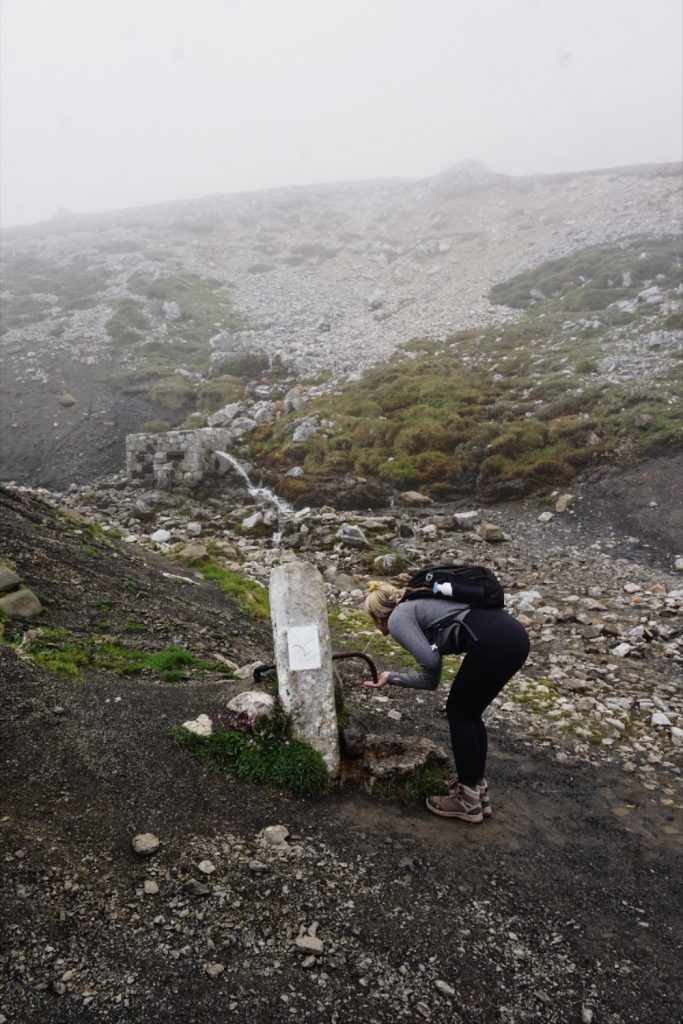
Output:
x=405 y=630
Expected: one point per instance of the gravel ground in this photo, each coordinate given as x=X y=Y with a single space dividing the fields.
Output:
x=561 y=908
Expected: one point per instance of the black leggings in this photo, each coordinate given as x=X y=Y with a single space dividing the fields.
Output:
x=501 y=648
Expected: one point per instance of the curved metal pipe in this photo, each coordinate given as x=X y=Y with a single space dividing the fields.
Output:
x=341 y=655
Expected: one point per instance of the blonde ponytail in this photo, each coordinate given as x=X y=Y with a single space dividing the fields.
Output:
x=381 y=600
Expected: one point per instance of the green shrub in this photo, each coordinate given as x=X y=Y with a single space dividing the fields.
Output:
x=171 y=393
x=155 y=427
x=214 y=394
x=501 y=408
x=270 y=760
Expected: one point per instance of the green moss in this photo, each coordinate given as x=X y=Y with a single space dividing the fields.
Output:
x=134 y=626
x=195 y=421
x=75 y=283
x=59 y=652
x=503 y=411
x=219 y=391
x=171 y=393
x=126 y=326
x=429 y=780
x=155 y=427
x=589 y=280
x=251 y=597
x=272 y=761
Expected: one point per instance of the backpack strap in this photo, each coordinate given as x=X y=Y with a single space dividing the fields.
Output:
x=448 y=620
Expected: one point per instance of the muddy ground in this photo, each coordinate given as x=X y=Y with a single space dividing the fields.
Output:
x=564 y=907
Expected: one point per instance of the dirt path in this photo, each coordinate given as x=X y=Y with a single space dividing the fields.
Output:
x=557 y=903
x=563 y=908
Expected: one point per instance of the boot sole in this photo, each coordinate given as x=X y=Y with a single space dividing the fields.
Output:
x=461 y=816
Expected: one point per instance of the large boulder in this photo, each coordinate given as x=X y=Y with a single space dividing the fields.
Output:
x=21 y=604
x=8 y=579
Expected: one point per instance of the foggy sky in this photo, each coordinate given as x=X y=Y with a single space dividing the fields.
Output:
x=114 y=103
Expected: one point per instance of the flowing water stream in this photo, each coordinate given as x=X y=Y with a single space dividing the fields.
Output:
x=263 y=495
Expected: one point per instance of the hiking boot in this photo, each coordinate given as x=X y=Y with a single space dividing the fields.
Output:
x=462 y=802
x=484 y=797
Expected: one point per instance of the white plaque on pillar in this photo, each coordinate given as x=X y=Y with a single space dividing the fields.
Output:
x=303 y=645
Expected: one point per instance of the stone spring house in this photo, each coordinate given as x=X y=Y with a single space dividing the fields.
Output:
x=179 y=458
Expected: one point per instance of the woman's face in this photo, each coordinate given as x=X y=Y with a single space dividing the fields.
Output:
x=382 y=625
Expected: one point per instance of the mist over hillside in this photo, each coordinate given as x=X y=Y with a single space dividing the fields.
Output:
x=160 y=316
x=414 y=369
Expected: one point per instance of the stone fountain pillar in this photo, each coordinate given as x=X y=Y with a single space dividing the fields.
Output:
x=303 y=655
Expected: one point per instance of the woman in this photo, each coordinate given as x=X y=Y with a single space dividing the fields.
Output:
x=495 y=647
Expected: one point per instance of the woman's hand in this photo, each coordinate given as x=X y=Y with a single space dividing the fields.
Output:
x=382 y=680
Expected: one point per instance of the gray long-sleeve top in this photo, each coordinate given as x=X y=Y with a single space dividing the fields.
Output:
x=408 y=623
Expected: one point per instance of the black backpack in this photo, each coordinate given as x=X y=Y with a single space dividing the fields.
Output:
x=470 y=584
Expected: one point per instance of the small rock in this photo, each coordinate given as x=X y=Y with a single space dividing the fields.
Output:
x=491 y=532
x=195 y=888
x=586 y=1015
x=423 y=1010
x=444 y=988
x=275 y=835
x=257 y=867
x=253 y=704
x=8 y=579
x=310 y=944
x=161 y=536
x=145 y=843
x=563 y=502
x=214 y=970
x=253 y=521
x=660 y=719
x=206 y=867
x=151 y=887
x=414 y=498
x=66 y=400
x=621 y=650
x=545 y=517
x=352 y=535
x=200 y=726
x=465 y=520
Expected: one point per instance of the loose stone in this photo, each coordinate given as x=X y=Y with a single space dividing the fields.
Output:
x=145 y=843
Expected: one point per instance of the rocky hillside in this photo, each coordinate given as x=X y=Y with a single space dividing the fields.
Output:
x=560 y=908
x=164 y=315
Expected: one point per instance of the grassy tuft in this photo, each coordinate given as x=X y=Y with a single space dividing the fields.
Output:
x=250 y=596
x=58 y=652
x=269 y=760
